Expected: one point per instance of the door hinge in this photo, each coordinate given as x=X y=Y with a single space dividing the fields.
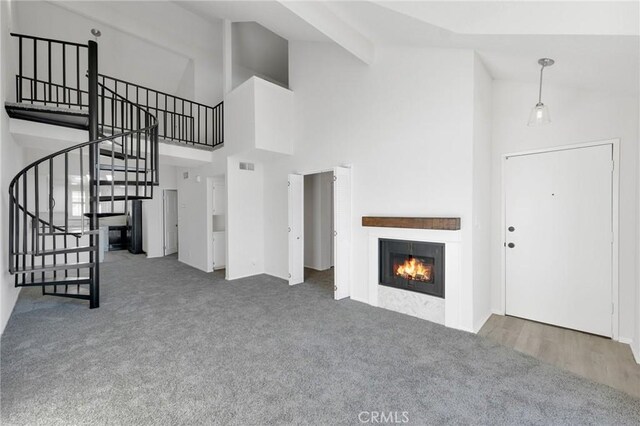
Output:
x=613 y=237
x=335 y=288
x=288 y=183
x=289 y=275
x=612 y=309
x=613 y=165
x=335 y=178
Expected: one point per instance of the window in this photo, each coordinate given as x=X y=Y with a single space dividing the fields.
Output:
x=76 y=203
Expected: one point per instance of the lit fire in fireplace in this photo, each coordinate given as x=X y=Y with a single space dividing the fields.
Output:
x=414 y=269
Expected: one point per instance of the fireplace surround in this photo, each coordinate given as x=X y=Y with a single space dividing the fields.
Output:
x=412 y=265
x=452 y=311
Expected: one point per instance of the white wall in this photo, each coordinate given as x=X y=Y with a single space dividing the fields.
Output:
x=481 y=250
x=186 y=87
x=260 y=52
x=258 y=127
x=318 y=215
x=239 y=120
x=258 y=116
x=274 y=106
x=194 y=224
x=404 y=124
x=161 y=46
x=245 y=221
x=635 y=346
x=11 y=161
x=577 y=116
x=153 y=213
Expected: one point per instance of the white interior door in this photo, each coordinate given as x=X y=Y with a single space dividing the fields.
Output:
x=170 y=221
x=342 y=234
x=558 y=214
x=296 y=229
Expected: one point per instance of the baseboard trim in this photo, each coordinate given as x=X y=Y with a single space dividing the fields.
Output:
x=281 y=277
x=242 y=276
x=357 y=299
x=635 y=350
x=477 y=327
x=13 y=307
x=625 y=340
x=319 y=269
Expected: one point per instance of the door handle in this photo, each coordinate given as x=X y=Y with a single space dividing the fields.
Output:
x=511 y=245
x=511 y=229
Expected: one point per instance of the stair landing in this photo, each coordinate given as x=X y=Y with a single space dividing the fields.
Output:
x=74 y=118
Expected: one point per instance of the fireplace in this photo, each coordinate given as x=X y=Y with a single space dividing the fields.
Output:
x=412 y=265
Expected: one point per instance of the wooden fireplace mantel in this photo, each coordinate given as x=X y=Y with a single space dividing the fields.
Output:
x=440 y=223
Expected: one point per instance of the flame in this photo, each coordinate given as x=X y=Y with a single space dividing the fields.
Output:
x=414 y=269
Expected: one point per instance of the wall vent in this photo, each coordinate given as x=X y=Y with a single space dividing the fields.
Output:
x=247 y=166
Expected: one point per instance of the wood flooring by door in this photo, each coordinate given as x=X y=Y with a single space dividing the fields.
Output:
x=597 y=358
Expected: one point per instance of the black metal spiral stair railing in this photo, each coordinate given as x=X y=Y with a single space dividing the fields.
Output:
x=55 y=202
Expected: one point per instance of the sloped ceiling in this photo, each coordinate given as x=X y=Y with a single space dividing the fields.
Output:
x=596 y=44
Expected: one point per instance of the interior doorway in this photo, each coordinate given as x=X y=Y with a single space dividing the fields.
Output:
x=320 y=229
x=561 y=237
x=170 y=221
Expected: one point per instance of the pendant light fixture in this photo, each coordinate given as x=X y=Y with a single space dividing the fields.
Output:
x=540 y=113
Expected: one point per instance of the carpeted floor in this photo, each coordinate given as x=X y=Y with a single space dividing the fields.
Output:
x=173 y=345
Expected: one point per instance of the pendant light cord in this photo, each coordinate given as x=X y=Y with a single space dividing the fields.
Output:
x=540 y=91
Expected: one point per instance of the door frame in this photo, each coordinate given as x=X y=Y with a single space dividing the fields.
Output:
x=164 y=219
x=615 y=209
x=335 y=259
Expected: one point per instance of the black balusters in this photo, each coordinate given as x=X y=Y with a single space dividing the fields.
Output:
x=180 y=119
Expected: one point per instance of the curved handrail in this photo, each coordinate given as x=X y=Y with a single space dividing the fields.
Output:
x=74 y=147
x=23 y=173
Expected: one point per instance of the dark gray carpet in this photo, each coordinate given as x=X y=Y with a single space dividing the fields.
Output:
x=173 y=345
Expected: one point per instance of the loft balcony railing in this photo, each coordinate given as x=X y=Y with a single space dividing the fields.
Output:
x=53 y=73
x=179 y=119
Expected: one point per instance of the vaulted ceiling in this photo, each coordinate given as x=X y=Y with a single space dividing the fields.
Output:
x=596 y=45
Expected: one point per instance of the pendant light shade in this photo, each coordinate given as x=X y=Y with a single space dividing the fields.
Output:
x=539 y=115
x=540 y=112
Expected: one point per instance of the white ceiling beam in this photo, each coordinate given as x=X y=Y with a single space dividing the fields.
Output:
x=329 y=24
x=614 y=18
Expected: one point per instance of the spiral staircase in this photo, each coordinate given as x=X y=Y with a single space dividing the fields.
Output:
x=56 y=202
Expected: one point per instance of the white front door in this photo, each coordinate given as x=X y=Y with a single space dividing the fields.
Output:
x=342 y=233
x=170 y=209
x=558 y=215
x=296 y=229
